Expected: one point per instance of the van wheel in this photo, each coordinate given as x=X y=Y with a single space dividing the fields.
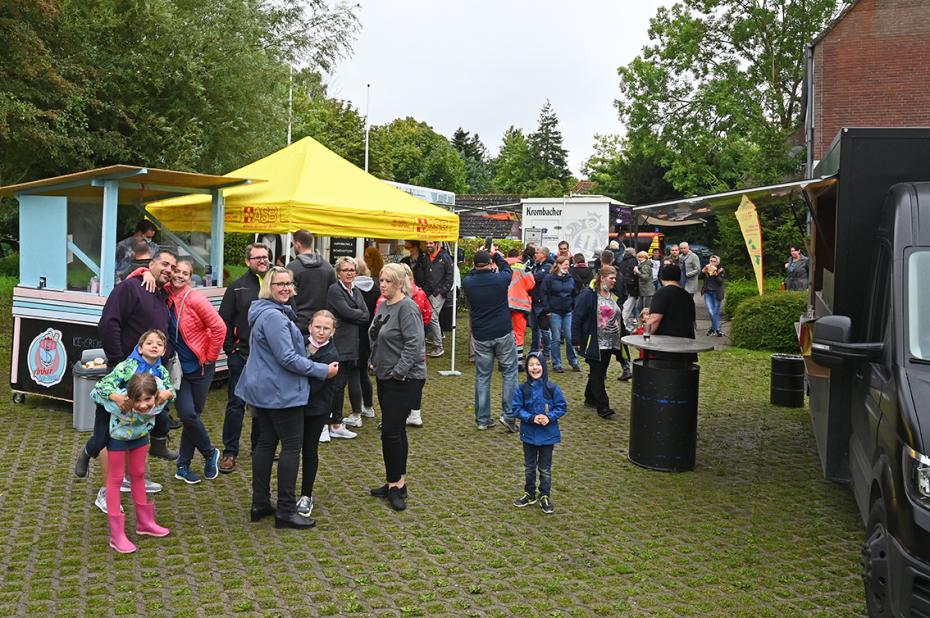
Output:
x=875 y=573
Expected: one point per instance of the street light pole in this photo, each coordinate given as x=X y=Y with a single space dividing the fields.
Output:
x=367 y=122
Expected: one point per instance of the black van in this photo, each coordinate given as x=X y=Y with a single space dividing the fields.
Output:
x=870 y=395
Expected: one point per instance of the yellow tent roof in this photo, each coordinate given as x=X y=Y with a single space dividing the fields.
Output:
x=310 y=187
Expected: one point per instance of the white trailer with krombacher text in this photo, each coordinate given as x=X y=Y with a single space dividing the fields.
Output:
x=584 y=221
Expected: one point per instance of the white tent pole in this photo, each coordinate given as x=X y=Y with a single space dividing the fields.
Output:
x=455 y=314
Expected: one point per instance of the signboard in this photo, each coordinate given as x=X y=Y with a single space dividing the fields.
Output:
x=341 y=247
x=52 y=348
x=584 y=226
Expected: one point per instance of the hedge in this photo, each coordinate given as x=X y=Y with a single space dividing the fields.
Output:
x=470 y=245
x=739 y=290
x=767 y=322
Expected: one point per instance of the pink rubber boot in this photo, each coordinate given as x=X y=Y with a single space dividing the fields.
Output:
x=118 y=540
x=145 y=521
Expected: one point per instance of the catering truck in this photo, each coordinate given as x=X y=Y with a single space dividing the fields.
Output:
x=584 y=221
x=869 y=368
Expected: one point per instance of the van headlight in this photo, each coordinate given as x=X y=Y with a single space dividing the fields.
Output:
x=920 y=472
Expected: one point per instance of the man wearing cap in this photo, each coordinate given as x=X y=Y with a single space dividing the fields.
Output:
x=492 y=334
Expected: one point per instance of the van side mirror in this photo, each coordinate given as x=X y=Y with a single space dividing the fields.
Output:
x=831 y=346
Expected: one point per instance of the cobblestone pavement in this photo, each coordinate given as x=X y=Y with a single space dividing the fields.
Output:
x=753 y=531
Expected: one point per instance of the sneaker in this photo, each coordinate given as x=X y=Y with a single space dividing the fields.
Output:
x=558 y=370
x=382 y=492
x=509 y=423
x=342 y=432
x=719 y=333
x=710 y=331
x=576 y=368
x=173 y=423
x=525 y=500
x=101 y=501
x=414 y=419
x=606 y=413
x=324 y=435
x=626 y=375
x=546 y=505
x=305 y=506
x=187 y=475
x=436 y=352
x=482 y=426
x=211 y=465
x=151 y=487
x=368 y=412
x=353 y=420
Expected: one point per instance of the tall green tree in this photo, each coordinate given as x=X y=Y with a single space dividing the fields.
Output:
x=513 y=164
x=550 y=159
x=627 y=174
x=416 y=154
x=718 y=91
x=478 y=172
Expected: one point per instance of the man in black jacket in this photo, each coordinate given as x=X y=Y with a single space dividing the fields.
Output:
x=312 y=277
x=235 y=312
x=539 y=317
x=440 y=273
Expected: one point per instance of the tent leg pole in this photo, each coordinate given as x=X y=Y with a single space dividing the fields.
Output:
x=455 y=314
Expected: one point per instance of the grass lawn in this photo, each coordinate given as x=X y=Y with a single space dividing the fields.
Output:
x=753 y=531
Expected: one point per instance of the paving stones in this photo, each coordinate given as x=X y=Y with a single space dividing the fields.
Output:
x=753 y=531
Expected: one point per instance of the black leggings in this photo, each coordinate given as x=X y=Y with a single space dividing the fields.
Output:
x=313 y=427
x=396 y=399
x=595 y=392
x=348 y=375
x=364 y=380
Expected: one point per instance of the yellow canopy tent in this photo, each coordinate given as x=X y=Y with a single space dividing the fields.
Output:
x=310 y=187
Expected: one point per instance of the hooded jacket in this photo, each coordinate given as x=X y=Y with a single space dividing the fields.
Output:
x=439 y=274
x=539 y=273
x=312 y=277
x=275 y=374
x=201 y=326
x=130 y=425
x=539 y=397
x=558 y=293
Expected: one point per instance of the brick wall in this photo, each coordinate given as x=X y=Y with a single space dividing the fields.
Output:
x=873 y=69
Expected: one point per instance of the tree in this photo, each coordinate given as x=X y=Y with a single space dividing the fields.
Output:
x=415 y=154
x=718 y=92
x=478 y=171
x=513 y=164
x=626 y=174
x=550 y=159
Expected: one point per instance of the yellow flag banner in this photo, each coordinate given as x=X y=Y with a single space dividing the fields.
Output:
x=748 y=220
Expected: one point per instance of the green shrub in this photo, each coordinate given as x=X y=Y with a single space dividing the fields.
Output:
x=739 y=290
x=470 y=245
x=9 y=265
x=767 y=322
x=234 y=247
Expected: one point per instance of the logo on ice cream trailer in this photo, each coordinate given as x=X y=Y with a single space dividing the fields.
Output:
x=47 y=358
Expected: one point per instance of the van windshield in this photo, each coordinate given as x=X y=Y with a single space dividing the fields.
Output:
x=918 y=304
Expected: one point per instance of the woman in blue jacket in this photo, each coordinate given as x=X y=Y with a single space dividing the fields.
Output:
x=558 y=293
x=540 y=404
x=274 y=383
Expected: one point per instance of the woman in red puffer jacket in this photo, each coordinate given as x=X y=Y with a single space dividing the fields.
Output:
x=197 y=332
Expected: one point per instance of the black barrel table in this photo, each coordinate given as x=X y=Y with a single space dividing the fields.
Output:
x=663 y=415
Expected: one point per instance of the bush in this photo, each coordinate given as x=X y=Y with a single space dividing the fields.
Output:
x=767 y=322
x=234 y=247
x=470 y=245
x=9 y=265
x=739 y=290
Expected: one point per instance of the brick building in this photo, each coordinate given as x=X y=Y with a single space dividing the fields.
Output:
x=871 y=68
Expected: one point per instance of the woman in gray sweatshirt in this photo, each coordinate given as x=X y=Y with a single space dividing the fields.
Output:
x=398 y=357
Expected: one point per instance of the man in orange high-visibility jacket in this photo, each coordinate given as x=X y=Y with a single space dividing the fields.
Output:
x=518 y=299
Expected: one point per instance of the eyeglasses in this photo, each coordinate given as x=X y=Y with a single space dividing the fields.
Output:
x=283 y=284
x=259 y=258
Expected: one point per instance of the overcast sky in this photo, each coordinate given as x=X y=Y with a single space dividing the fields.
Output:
x=485 y=65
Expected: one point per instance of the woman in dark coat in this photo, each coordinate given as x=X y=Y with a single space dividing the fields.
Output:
x=346 y=302
x=596 y=331
x=796 y=274
x=558 y=295
x=367 y=281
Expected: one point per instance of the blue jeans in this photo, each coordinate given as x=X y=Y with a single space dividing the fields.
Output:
x=504 y=349
x=537 y=457
x=713 y=307
x=559 y=325
x=192 y=397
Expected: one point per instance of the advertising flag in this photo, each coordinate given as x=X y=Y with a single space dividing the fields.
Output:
x=748 y=220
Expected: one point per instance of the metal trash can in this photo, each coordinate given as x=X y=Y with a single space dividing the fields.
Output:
x=663 y=415
x=787 y=388
x=84 y=382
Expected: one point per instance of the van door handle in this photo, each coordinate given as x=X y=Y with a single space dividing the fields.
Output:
x=859 y=374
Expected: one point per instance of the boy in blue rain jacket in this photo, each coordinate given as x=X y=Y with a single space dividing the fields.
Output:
x=539 y=403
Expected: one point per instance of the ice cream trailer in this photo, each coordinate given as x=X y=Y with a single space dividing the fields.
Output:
x=67 y=227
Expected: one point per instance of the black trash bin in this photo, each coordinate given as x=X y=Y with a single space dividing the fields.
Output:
x=787 y=381
x=663 y=415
